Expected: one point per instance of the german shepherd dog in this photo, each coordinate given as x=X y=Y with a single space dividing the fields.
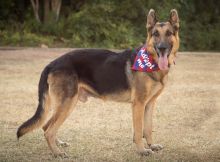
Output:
x=104 y=74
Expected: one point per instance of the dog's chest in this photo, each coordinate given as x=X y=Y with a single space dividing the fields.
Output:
x=144 y=86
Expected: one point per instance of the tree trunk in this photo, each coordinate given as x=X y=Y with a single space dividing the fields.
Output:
x=51 y=10
x=56 y=5
x=46 y=10
x=35 y=5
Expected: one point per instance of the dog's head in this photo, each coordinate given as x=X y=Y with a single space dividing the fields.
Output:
x=163 y=38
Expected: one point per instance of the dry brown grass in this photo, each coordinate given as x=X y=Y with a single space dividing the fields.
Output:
x=187 y=117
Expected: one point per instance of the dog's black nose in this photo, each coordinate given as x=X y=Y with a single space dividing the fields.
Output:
x=162 y=50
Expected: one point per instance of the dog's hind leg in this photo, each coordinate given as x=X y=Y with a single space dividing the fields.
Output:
x=58 y=141
x=57 y=119
x=63 y=90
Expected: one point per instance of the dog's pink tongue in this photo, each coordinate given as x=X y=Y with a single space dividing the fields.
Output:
x=163 y=62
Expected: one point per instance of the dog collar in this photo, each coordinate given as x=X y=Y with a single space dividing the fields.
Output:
x=144 y=61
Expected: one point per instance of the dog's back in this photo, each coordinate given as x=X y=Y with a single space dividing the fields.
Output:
x=103 y=70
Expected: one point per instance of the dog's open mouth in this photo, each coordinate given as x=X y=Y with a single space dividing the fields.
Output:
x=163 y=55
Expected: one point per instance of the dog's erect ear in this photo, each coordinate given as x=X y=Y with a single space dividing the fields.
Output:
x=151 y=20
x=174 y=19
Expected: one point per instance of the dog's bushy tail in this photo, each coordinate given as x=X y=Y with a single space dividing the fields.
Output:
x=41 y=113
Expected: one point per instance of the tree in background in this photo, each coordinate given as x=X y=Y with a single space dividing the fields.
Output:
x=105 y=23
x=35 y=5
x=50 y=7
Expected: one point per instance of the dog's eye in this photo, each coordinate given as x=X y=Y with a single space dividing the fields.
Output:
x=169 y=33
x=156 y=34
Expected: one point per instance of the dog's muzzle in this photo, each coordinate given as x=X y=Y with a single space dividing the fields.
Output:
x=163 y=51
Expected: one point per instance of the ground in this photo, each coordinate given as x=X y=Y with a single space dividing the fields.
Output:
x=186 y=118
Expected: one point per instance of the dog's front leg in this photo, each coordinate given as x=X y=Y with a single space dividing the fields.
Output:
x=148 y=124
x=138 y=109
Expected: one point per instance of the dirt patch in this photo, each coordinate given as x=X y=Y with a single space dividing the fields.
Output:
x=186 y=120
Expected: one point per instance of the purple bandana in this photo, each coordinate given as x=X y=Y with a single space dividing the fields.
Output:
x=144 y=61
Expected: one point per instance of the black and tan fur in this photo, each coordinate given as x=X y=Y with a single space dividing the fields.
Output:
x=107 y=75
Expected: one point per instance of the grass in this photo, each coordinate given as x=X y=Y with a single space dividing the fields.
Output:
x=186 y=120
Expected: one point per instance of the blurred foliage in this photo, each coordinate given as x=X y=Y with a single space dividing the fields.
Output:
x=109 y=23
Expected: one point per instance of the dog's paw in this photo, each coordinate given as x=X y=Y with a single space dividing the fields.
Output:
x=61 y=143
x=61 y=155
x=145 y=152
x=156 y=147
